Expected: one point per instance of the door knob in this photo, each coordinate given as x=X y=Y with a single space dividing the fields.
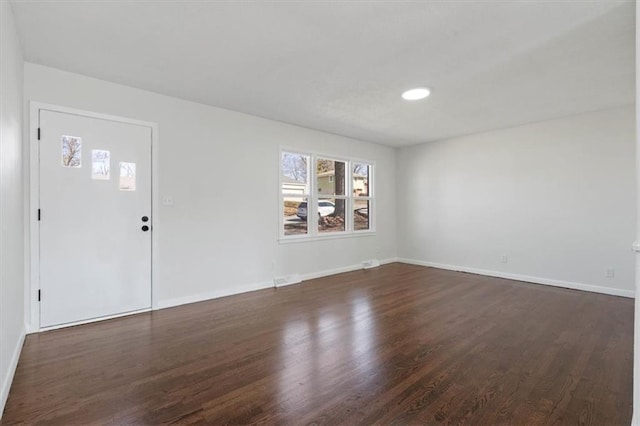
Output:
x=145 y=228
x=145 y=218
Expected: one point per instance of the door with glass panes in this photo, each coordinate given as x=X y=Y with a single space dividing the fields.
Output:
x=95 y=218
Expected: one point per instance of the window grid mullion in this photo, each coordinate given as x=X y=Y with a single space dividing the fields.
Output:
x=312 y=204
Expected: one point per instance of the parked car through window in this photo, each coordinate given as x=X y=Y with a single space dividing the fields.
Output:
x=325 y=208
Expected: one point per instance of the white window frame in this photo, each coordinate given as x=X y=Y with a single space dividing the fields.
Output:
x=313 y=197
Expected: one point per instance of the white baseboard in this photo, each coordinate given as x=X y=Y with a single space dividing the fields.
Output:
x=328 y=272
x=201 y=297
x=8 y=378
x=350 y=268
x=215 y=294
x=93 y=320
x=525 y=278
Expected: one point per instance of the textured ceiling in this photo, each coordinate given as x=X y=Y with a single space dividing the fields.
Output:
x=340 y=67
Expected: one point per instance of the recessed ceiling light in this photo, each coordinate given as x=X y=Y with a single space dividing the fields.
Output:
x=416 y=94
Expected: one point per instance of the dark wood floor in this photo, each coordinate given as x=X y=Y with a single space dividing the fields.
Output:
x=399 y=344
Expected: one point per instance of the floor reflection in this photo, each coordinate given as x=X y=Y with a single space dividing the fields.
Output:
x=363 y=335
x=318 y=347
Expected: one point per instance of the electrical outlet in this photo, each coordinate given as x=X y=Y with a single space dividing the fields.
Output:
x=504 y=259
x=609 y=273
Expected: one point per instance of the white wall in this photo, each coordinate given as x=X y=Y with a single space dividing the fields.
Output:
x=636 y=337
x=11 y=202
x=556 y=197
x=222 y=238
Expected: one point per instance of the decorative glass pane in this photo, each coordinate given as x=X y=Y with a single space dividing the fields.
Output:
x=331 y=215
x=361 y=215
x=100 y=164
x=295 y=215
x=330 y=175
x=361 y=174
x=295 y=173
x=71 y=151
x=127 y=176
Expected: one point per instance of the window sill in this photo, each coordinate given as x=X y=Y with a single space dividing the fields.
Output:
x=307 y=239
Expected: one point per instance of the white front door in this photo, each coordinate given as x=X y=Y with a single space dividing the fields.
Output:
x=95 y=218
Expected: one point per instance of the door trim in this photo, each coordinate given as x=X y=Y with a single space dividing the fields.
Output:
x=32 y=197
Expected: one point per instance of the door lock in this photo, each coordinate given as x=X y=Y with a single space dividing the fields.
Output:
x=145 y=228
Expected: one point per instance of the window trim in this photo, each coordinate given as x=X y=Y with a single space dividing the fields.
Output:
x=313 y=197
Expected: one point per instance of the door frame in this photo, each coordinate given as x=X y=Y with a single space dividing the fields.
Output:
x=32 y=197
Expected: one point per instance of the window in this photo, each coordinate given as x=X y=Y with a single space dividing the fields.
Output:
x=362 y=197
x=71 y=151
x=100 y=164
x=294 y=192
x=127 y=176
x=336 y=192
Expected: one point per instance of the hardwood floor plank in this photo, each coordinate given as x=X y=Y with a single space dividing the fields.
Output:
x=399 y=344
